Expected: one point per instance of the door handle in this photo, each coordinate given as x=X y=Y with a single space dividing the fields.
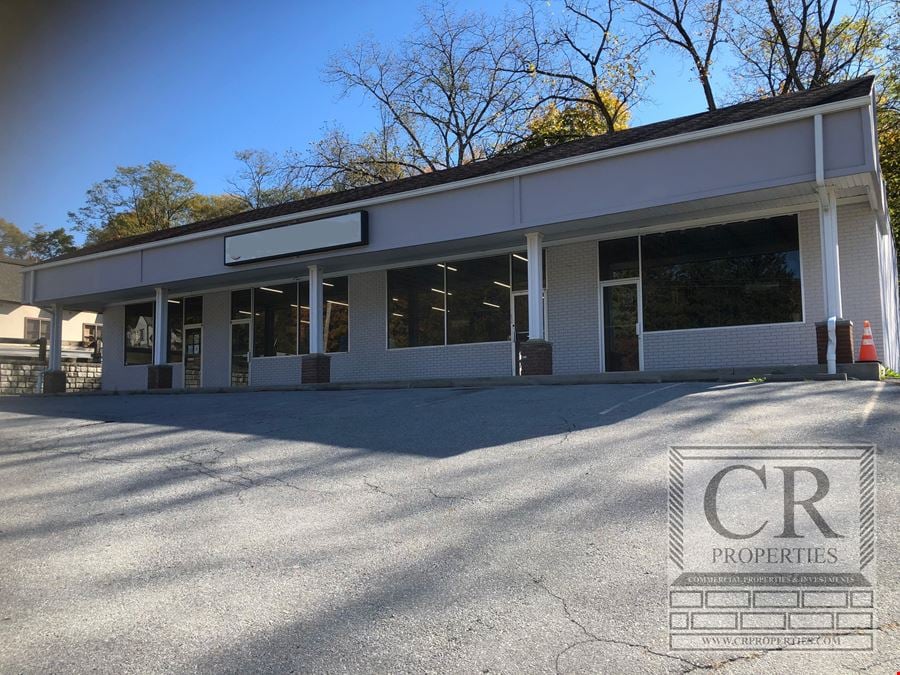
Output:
x=637 y=329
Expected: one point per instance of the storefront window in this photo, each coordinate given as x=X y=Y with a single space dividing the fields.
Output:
x=139 y=334
x=304 y=317
x=619 y=259
x=193 y=310
x=458 y=302
x=275 y=320
x=478 y=293
x=176 y=331
x=336 y=308
x=725 y=275
x=240 y=305
x=416 y=306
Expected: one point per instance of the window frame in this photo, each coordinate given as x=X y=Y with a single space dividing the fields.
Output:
x=510 y=252
x=125 y=334
x=802 y=276
x=98 y=330
x=41 y=323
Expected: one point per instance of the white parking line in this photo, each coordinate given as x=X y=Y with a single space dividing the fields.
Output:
x=639 y=396
x=870 y=405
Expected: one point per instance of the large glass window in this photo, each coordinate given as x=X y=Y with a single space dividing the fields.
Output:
x=275 y=320
x=724 y=275
x=175 y=325
x=619 y=259
x=193 y=310
x=139 y=334
x=519 y=265
x=416 y=306
x=458 y=302
x=35 y=329
x=336 y=309
x=477 y=295
x=304 y=317
x=241 y=305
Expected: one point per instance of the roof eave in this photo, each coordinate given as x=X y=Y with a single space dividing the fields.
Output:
x=768 y=120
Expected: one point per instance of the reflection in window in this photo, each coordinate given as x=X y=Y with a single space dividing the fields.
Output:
x=175 y=324
x=193 y=310
x=478 y=294
x=304 y=317
x=416 y=306
x=275 y=320
x=724 y=275
x=619 y=259
x=519 y=264
x=336 y=310
x=35 y=329
x=240 y=305
x=139 y=334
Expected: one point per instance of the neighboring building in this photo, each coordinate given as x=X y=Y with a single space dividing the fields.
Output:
x=714 y=240
x=22 y=325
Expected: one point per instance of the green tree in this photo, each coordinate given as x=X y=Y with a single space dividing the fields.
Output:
x=889 y=126
x=554 y=125
x=137 y=199
x=13 y=242
x=207 y=207
x=44 y=244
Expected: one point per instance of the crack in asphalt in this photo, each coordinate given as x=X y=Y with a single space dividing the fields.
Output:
x=570 y=429
x=377 y=488
x=593 y=637
x=450 y=498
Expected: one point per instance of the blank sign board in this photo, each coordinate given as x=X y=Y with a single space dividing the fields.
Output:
x=325 y=234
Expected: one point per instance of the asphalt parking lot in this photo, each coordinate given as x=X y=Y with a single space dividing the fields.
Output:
x=517 y=529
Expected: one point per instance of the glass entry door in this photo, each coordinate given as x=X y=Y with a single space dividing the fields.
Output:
x=519 y=327
x=192 y=357
x=240 y=354
x=621 y=326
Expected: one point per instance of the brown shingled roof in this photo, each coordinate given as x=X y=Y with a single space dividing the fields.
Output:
x=741 y=112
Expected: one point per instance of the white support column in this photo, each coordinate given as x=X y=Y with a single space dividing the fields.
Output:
x=161 y=327
x=54 y=357
x=316 y=302
x=535 y=250
x=831 y=268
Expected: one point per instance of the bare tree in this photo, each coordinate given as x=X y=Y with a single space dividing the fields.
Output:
x=337 y=162
x=793 y=45
x=692 y=26
x=449 y=94
x=266 y=179
x=580 y=59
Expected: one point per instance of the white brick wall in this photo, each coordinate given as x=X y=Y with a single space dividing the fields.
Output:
x=573 y=321
x=860 y=280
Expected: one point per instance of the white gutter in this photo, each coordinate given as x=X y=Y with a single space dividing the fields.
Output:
x=678 y=139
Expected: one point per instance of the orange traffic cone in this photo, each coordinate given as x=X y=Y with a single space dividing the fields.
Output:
x=867 y=346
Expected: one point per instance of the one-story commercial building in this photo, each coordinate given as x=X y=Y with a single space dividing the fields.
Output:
x=709 y=241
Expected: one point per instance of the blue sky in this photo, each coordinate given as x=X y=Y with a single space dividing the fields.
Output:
x=122 y=83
